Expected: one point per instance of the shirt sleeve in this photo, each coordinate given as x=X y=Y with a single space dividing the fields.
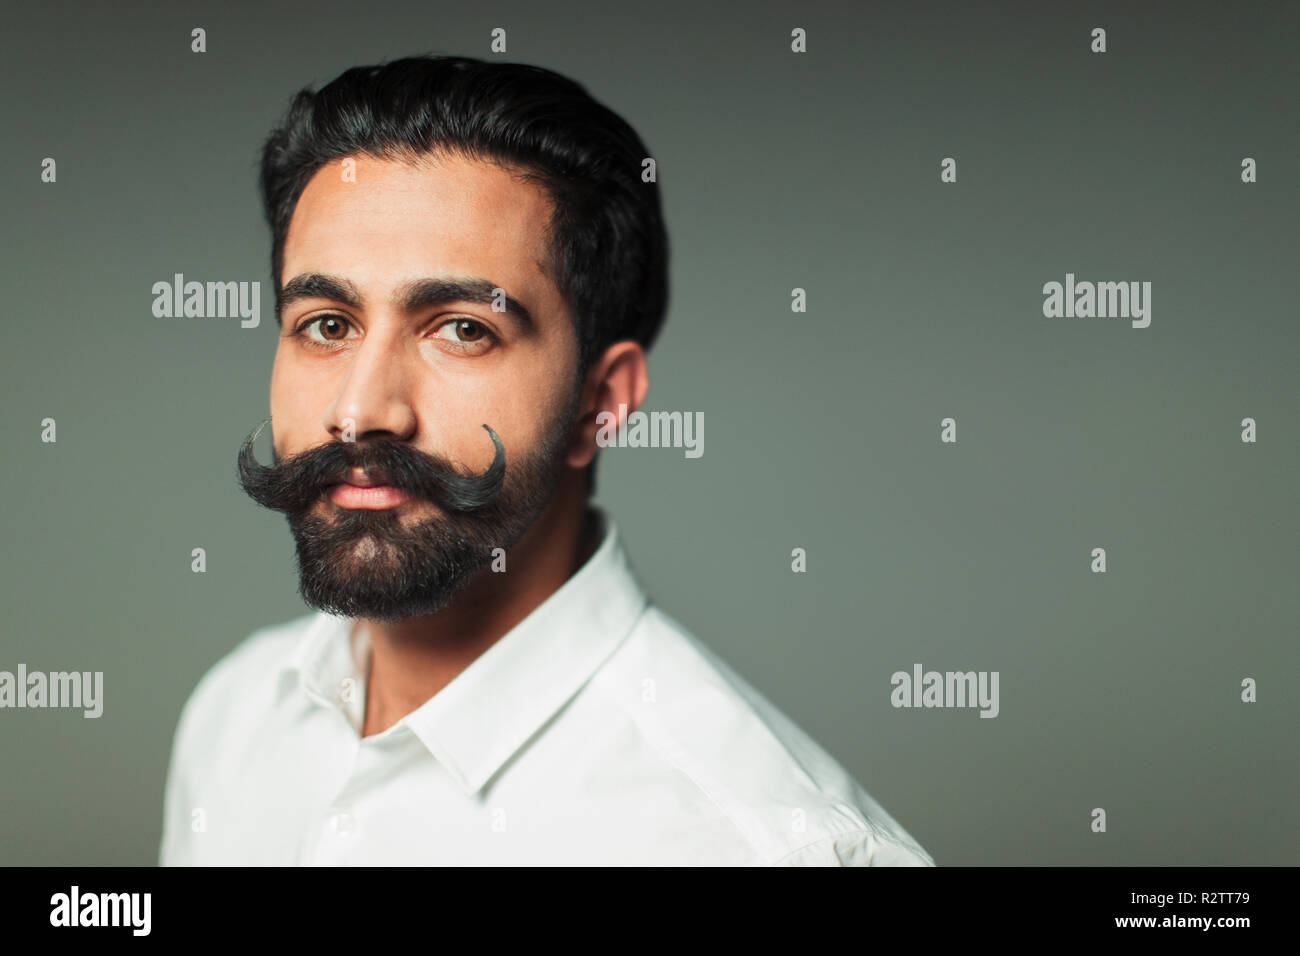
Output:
x=864 y=847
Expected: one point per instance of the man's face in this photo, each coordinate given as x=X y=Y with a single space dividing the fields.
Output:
x=369 y=352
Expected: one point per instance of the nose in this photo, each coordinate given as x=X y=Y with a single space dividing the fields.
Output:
x=374 y=397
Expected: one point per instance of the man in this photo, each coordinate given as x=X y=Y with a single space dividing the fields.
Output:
x=469 y=269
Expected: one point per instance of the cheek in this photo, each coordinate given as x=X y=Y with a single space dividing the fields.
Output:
x=532 y=411
x=277 y=382
x=293 y=413
x=282 y=390
x=518 y=411
x=453 y=419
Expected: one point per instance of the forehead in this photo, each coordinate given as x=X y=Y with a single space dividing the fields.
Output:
x=398 y=221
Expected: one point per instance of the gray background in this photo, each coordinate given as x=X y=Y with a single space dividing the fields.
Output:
x=822 y=429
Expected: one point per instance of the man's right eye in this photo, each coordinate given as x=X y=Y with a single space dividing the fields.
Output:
x=332 y=327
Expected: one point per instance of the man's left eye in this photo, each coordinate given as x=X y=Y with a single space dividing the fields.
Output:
x=464 y=332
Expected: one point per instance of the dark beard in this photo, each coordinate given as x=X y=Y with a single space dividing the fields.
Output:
x=371 y=564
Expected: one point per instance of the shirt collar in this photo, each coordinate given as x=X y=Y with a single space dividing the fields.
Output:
x=488 y=711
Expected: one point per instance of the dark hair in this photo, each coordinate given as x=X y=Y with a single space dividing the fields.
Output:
x=607 y=246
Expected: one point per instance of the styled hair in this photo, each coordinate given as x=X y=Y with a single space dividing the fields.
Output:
x=607 y=246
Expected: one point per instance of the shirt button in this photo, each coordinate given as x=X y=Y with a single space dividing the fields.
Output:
x=342 y=822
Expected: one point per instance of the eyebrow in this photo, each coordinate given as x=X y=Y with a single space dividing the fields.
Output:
x=417 y=294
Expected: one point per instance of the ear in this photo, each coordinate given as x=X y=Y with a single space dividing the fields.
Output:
x=616 y=383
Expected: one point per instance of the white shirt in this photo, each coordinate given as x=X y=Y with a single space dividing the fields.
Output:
x=596 y=732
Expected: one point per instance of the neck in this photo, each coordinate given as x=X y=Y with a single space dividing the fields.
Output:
x=414 y=658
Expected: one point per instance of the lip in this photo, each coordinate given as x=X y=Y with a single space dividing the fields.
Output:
x=368 y=497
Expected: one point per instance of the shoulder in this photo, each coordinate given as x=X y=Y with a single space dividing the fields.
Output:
x=228 y=701
x=241 y=684
x=792 y=801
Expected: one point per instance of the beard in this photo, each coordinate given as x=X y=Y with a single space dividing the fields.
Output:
x=374 y=564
